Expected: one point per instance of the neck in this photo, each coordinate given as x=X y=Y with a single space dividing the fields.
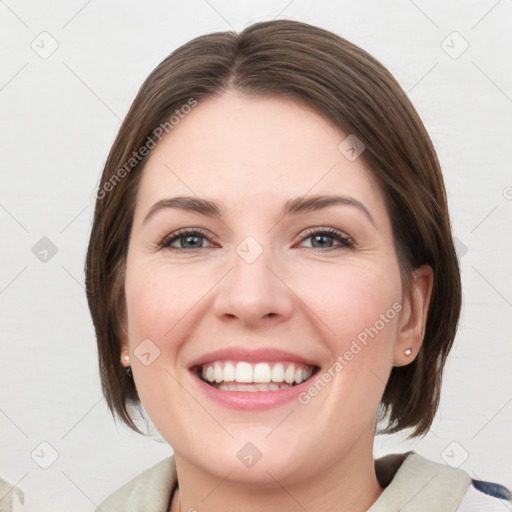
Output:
x=348 y=485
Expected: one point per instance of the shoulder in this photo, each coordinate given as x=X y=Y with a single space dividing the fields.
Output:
x=424 y=485
x=150 y=491
x=487 y=496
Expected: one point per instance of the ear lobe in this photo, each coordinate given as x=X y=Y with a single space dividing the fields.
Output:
x=414 y=317
x=124 y=352
x=123 y=340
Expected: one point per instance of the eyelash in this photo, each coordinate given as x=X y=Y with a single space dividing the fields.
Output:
x=346 y=241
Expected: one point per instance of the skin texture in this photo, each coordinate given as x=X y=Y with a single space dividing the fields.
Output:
x=251 y=155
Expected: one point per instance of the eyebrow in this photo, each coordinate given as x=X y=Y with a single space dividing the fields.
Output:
x=294 y=206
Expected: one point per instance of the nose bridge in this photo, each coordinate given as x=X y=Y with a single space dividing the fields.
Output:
x=252 y=290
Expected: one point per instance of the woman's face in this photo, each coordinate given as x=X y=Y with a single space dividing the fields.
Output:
x=270 y=287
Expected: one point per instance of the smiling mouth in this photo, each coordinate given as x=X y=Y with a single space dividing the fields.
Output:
x=254 y=377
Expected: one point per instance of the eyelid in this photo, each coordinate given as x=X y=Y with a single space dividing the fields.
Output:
x=181 y=233
x=345 y=239
x=324 y=229
x=341 y=236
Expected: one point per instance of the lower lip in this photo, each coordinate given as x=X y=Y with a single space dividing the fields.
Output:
x=255 y=400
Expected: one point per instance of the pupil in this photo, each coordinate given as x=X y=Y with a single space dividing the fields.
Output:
x=189 y=239
x=317 y=238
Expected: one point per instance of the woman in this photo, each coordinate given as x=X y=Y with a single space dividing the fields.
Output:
x=271 y=272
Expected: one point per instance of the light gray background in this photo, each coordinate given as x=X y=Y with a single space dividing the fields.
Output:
x=59 y=116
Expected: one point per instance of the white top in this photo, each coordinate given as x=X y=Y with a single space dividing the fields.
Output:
x=476 y=501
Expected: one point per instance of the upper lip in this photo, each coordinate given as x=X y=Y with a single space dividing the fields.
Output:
x=254 y=355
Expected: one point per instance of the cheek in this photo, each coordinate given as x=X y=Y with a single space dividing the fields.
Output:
x=154 y=308
x=358 y=312
x=163 y=304
x=157 y=302
x=355 y=301
x=159 y=298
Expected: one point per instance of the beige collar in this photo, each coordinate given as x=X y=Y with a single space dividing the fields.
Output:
x=418 y=485
x=413 y=484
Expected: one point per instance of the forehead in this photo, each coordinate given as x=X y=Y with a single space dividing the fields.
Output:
x=253 y=151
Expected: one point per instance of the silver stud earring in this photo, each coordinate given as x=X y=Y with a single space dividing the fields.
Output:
x=407 y=351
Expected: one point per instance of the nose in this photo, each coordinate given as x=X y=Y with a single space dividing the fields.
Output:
x=253 y=293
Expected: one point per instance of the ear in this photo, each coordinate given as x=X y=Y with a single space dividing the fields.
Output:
x=414 y=317
x=123 y=344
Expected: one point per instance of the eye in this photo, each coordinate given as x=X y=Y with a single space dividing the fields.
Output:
x=192 y=239
x=322 y=238
x=186 y=238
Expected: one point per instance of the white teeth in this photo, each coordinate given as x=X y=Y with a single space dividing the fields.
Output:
x=243 y=372
x=262 y=373
x=278 y=373
x=217 y=372
x=229 y=372
x=254 y=377
x=289 y=374
x=267 y=386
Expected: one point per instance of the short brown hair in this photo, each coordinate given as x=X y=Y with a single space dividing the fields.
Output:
x=346 y=85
